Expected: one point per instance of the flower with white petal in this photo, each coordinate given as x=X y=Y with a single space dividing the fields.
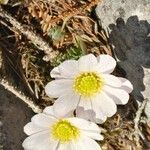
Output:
x=88 y=84
x=49 y=132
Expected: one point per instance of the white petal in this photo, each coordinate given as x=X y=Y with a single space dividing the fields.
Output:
x=31 y=128
x=119 y=96
x=85 y=114
x=112 y=80
x=87 y=62
x=57 y=88
x=91 y=115
x=93 y=135
x=126 y=85
x=40 y=141
x=68 y=69
x=84 y=109
x=86 y=143
x=55 y=73
x=49 y=110
x=65 y=146
x=105 y=104
x=100 y=117
x=66 y=104
x=100 y=121
x=106 y=63
x=85 y=103
x=43 y=120
x=84 y=124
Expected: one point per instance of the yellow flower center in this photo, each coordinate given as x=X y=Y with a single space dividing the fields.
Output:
x=88 y=83
x=64 y=131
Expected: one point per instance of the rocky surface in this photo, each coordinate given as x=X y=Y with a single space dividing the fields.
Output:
x=110 y=10
x=128 y=23
x=14 y=114
x=129 y=29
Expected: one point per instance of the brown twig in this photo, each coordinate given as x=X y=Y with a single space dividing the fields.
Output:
x=21 y=96
x=34 y=38
x=138 y=134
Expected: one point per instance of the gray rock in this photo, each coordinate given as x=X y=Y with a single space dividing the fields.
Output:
x=110 y=10
x=129 y=29
x=14 y=114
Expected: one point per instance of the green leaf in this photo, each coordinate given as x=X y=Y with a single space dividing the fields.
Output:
x=71 y=53
x=56 y=33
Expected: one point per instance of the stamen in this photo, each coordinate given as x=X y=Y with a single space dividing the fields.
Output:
x=87 y=84
x=64 y=131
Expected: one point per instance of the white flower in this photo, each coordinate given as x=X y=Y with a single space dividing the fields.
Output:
x=47 y=132
x=87 y=85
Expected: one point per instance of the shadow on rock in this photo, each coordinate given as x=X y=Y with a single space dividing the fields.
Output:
x=131 y=41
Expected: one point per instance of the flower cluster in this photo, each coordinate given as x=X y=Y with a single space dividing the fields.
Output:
x=85 y=88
